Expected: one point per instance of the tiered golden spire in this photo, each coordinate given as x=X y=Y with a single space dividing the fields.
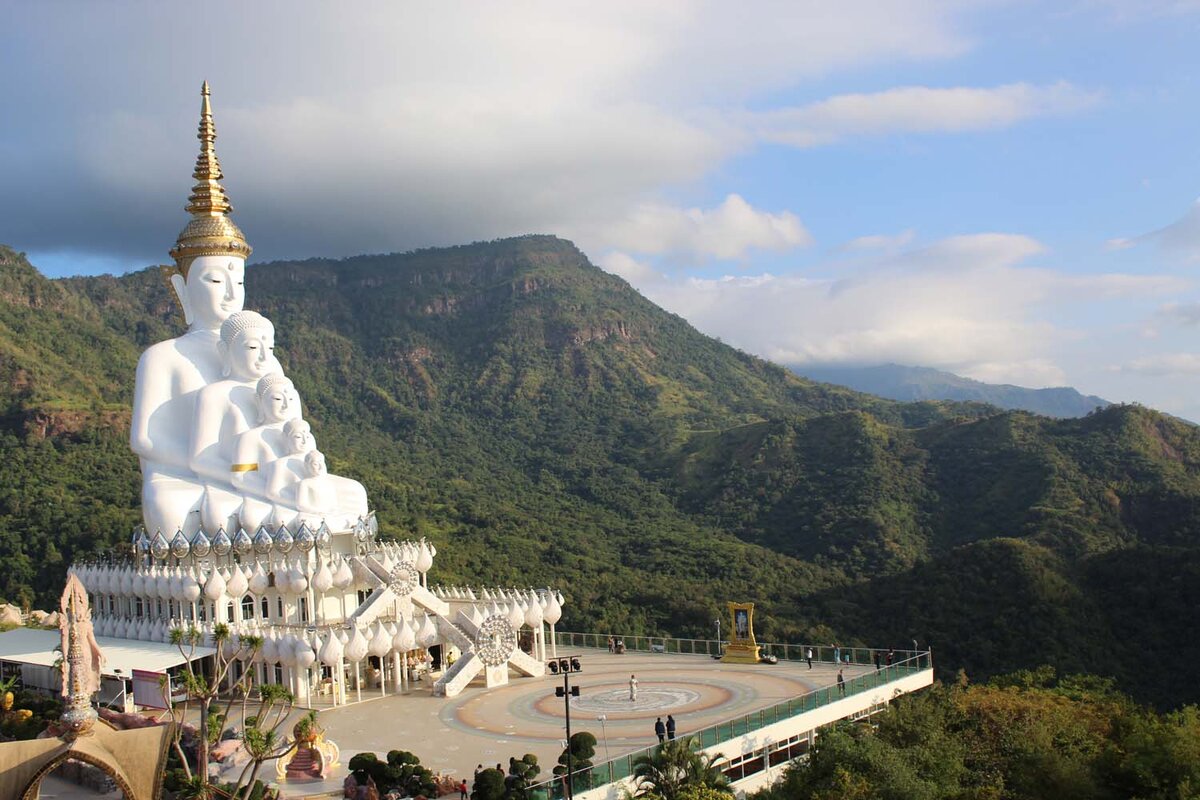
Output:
x=210 y=231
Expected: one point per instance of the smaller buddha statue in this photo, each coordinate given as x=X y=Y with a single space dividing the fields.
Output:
x=277 y=403
x=316 y=492
x=227 y=408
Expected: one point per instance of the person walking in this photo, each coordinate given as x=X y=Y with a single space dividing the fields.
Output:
x=808 y=657
x=841 y=683
x=660 y=730
x=633 y=688
x=670 y=727
x=877 y=665
x=462 y=790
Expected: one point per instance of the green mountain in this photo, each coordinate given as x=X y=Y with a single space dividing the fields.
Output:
x=898 y=382
x=543 y=423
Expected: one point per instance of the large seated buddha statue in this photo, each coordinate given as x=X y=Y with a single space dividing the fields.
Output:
x=207 y=280
x=211 y=407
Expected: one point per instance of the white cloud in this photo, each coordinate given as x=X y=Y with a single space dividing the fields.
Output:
x=1180 y=239
x=1182 y=313
x=967 y=303
x=880 y=242
x=728 y=231
x=919 y=109
x=629 y=268
x=1164 y=364
x=411 y=125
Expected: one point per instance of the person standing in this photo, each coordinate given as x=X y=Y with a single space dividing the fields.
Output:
x=633 y=688
x=877 y=660
x=841 y=683
x=808 y=655
x=462 y=790
x=837 y=654
x=660 y=730
x=670 y=727
x=891 y=656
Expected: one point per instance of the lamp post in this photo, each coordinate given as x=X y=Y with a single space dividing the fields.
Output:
x=603 y=718
x=564 y=667
x=718 y=621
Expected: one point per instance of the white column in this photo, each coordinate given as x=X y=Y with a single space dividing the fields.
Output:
x=397 y=674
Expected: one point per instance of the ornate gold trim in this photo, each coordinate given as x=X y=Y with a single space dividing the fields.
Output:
x=244 y=468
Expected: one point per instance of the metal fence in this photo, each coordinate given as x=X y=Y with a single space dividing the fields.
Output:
x=711 y=647
x=623 y=766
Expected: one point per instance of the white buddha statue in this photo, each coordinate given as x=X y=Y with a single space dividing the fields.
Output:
x=277 y=403
x=227 y=408
x=316 y=492
x=283 y=479
x=207 y=279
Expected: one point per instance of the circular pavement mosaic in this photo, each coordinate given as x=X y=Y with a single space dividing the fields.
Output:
x=651 y=698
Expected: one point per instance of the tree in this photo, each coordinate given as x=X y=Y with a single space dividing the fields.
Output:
x=521 y=775
x=204 y=690
x=489 y=785
x=260 y=737
x=675 y=765
x=581 y=748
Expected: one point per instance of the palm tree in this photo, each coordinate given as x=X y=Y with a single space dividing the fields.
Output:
x=674 y=765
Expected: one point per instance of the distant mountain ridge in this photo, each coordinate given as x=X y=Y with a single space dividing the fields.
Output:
x=543 y=423
x=912 y=384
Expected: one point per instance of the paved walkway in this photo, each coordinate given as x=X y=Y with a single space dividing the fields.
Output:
x=487 y=727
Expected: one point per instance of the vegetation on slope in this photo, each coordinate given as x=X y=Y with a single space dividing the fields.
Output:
x=544 y=423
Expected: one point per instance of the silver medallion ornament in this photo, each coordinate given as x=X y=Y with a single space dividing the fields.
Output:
x=360 y=530
x=305 y=540
x=221 y=544
x=262 y=541
x=495 y=642
x=179 y=545
x=159 y=548
x=241 y=542
x=404 y=579
x=201 y=546
x=284 y=540
x=324 y=537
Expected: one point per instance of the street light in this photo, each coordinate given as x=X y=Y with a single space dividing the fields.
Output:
x=564 y=667
x=718 y=621
x=604 y=733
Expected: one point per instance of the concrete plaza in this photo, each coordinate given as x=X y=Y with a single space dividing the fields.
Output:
x=487 y=727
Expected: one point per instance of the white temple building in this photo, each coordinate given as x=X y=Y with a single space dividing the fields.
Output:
x=245 y=526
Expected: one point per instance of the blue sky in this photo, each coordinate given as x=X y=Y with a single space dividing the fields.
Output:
x=1002 y=189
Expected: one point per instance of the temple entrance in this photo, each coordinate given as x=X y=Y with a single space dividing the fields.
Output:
x=75 y=780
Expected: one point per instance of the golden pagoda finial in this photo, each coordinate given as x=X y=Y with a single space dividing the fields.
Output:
x=210 y=231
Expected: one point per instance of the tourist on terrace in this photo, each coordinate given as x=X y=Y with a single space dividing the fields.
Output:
x=808 y=656
x=841 y=683
x=670 y=727
x=660 y=730
x=633 y=688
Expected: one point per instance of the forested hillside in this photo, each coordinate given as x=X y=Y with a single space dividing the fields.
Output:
x=543 y=423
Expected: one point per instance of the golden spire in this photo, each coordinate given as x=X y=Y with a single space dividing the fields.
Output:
x=208 y=197
x=210 y=231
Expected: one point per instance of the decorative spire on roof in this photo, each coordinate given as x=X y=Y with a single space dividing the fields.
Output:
x=210 y=231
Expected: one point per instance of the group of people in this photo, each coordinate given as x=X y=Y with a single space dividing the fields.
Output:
x=665 y=731
x=616 y=645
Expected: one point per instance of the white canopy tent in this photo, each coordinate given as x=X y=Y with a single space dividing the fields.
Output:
x=31 y=650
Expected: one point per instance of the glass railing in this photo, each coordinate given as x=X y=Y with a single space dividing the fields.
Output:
x=711 y=647
x=623 y=766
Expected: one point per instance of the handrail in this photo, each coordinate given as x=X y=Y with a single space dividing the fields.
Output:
x=622 y=767
x=711 y=647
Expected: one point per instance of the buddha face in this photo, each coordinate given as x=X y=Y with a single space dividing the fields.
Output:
x=281 y=403
x=251 y=354
x=314 y=463
x=214 y=289
x=299 y=436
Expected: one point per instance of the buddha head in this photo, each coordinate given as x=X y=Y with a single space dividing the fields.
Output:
x=209 y=290
x=247 y=346
x=277 y=399
x=299 y=437
x=314 y=464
